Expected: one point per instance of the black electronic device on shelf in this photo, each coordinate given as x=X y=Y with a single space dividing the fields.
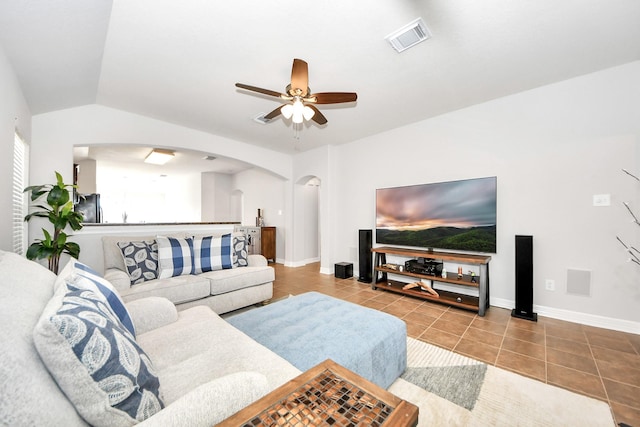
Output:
x=426 y=266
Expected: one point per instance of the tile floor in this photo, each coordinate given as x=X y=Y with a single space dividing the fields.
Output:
x=595 y=362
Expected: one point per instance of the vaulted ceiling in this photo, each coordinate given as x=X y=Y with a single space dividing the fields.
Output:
x=178 y=61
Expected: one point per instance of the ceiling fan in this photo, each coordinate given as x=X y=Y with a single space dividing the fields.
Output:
x=301 y=106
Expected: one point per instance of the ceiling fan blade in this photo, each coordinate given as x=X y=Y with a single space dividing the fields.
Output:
x=300 y=77
x=318 y=117
x=260 y=90
x=275 y=113
x=333 y=97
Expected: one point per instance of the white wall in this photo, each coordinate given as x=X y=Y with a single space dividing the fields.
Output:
x=263 y=190
x=87 y=176
x=552 y=149
x=217 y=197
x=14 y=113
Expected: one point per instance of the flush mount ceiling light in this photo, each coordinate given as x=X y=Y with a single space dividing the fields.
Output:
x=159 y=157
x=410 y=35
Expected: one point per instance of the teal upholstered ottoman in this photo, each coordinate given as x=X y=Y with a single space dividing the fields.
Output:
x=309 y=328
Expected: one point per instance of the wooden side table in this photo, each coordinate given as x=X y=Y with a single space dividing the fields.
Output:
x=327 y=394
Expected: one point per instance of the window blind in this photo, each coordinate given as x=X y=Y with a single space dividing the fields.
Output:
x=20 y=203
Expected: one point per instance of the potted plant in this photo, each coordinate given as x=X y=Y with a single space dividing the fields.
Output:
x=59 y=210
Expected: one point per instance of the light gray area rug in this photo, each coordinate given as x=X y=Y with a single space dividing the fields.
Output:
x=454 y=390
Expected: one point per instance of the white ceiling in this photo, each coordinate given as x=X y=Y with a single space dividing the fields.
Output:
x=178 y=61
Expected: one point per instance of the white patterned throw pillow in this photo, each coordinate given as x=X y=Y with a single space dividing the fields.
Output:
x=175 y=256
x=95 y=360
x=240 y=253
x=141 y=260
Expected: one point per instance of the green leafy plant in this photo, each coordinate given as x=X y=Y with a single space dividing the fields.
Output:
x=59 y=211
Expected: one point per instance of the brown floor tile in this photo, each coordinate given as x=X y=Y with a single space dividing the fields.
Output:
x=419 y=319
x=567 y=333
x=625 y=414
x=524 y=347
x=573 y=361
x=620 y=373
x=622 y=393
x=480 y=351
x=480 y=336
x=522 y=364
x=414 y=330
x=433 y=310
x=616 y=357
x=440 y=338
x=613 y=343
x=489 y=326
x=577 y=381
x=376 y=305
x=456 y=317
x=450 y=327
x=495 y=314
x=526 y=325
x=394 y=310
x=568 y=346
x=535 y=337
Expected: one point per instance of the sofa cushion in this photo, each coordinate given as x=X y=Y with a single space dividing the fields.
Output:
x=212 y=253
x=175 y=256
x=177 y=289
x=239 y=252
x=30 y=396
x=224 y=281
x=140 y=259
x=95 y=360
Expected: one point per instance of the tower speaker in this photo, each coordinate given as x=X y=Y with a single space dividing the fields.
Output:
x=524 y=279
x=365 y=265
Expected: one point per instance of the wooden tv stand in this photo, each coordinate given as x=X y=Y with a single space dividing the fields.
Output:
x=479 y=304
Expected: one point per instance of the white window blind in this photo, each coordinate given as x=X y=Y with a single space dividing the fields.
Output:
x=20 y=203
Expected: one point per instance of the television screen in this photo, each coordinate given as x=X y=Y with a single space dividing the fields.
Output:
x=458 y=215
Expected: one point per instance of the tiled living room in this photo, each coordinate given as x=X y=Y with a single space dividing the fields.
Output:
x=596 y=362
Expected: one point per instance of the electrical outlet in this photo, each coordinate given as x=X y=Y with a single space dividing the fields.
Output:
x=550 y=285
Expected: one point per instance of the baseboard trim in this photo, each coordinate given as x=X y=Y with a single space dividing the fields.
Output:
x=576 y=317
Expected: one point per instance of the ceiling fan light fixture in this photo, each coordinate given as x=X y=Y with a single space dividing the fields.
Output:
x=287 y=111
x=159 y=157
x=307 y=113
x=298 y=109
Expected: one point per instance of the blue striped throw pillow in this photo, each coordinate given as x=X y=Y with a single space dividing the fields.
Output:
x=212 y=253
x=175 y=256
x=84 y=277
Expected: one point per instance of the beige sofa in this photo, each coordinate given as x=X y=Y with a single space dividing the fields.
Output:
x=206 y=368
x=221 y=290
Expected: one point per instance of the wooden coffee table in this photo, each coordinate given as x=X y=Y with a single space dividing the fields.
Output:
x=327 y=394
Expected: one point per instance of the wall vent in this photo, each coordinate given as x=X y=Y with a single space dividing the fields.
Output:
x=260 y=119
x=409 y=35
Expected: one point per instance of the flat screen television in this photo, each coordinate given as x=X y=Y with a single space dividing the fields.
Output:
x=457 y=215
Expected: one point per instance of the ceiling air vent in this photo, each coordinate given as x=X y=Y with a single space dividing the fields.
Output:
x=409 y=35
x=260 y=119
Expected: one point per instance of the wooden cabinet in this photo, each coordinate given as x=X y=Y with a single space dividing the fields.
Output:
x=479 y=303
x=268 y=243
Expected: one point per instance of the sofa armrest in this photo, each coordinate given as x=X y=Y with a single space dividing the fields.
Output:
x=118 y=278
x=256 y=261
x=151 y=313
x=212 y=402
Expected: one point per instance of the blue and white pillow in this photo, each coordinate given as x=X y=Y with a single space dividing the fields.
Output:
x=140 y=259
x=95 y=360
x=175 y=256
x=212 y=253
x=85 y=277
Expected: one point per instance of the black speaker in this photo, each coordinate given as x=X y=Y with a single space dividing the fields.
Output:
x=365 y=265
x=524 y=279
